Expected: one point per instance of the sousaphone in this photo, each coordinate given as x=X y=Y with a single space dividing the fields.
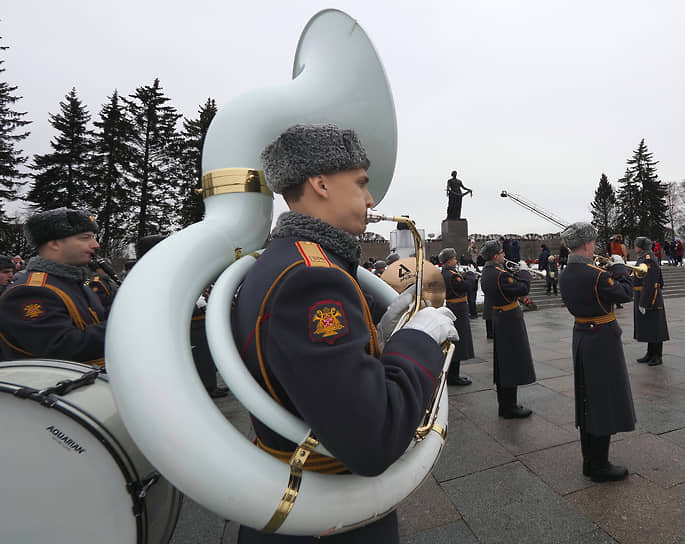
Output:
x=337 y=78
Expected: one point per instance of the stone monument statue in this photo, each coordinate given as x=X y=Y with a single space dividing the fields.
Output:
x=455 y=195
x=454 y=228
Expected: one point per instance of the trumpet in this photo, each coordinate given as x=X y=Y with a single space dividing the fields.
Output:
x=448 y=347
x=639 y=271
x=515 y=268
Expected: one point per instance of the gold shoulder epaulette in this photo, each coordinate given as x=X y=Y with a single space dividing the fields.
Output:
x=37 y=279
x=500 y=269
x=313 y=254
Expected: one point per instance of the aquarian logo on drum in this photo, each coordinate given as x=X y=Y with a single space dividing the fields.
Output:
x=65 y=440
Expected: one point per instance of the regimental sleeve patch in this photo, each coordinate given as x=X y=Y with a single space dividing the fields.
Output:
x=327 y=321
x=510 y=280
x=33 y=310
x=611 y=282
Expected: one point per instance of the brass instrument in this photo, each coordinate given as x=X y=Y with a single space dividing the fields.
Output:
x=448 y=347
x=639 y=271
x=463 y=269
x=515 y=268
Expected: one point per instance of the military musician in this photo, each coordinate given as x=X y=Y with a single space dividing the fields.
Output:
x=456 y=299
x=513 y=362
x=307 y=332
x=604 y=403
x=648 y=308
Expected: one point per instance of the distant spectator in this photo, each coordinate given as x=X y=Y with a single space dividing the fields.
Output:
x=515 y=250
x=6 y=271
x=368 y=265
x=378 y=268
x=678 y=252
x=668 y=250
x=18 y=263
x=563 y=255
x=506 y=246
x=543 y=257
x=657 y=251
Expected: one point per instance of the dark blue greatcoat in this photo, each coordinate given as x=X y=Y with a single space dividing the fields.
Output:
x=513 y=362
x=648 y=293
x=604 y=402
x=36 y=322
x=319 y=354
x=105 y=289
x=456 y=288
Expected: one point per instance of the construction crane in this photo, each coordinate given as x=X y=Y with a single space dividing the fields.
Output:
x=530 y=206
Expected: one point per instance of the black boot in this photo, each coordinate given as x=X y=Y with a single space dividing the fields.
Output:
x=648 y=356
x=601 y=470
x=656 y=356
x=453 y=377
x=508 y=409
x=585 y=449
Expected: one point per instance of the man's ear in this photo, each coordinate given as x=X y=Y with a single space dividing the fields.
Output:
x=318 y=184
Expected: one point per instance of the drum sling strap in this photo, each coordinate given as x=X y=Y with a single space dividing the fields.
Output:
x=304 y=457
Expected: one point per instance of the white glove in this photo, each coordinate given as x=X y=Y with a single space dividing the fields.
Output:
x=642 y=310
x=438 y=323
x=393 y=314
x=523 y=265
x=615 y=259
x=201 y=303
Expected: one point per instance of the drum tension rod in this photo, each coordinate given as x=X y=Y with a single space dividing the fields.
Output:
x=46 y=396
x=138 y=491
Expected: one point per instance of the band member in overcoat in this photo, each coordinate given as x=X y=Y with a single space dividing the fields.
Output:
x=604 y=402
x=648 y=307
x=306 y=330
x=456 y=299
x=513 y=362
x=50 y=312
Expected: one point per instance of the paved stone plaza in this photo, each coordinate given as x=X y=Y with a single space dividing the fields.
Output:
x=520 y=481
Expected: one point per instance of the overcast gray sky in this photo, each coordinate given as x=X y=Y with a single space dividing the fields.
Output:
x=538 y=97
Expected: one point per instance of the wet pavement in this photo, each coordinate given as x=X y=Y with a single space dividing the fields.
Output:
x=520 y=481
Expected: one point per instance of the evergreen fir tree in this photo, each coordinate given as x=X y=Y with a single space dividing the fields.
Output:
x=628 y=207
x=156 y=159
x=113 y=167
x=604 y=213
x=193 y=139
x=11 y=158
x=62 y=178
x=653 y=213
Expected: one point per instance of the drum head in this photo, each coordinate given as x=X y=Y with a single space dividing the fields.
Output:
x=64 y=474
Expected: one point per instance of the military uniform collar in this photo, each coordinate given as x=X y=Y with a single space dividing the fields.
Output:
x=575 y=258
x=41 y=264
x=327 y=236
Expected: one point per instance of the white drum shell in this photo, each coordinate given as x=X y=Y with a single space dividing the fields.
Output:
x=61 y=483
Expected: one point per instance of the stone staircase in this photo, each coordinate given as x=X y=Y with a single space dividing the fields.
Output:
x=674 y=286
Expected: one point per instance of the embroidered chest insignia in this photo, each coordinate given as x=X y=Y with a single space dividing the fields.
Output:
x=327 y=321
x=33 y=310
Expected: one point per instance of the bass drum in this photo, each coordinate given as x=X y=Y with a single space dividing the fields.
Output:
x=69 y=470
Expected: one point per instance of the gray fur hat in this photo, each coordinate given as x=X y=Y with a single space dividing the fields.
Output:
x=379 y=265
x=309 y=150
x=643 y=243
x=576 y=234
x=146 y=243
x=392 y=258
x=6 y=262
x=490 y=249
x=57 y=224
x=447 y=254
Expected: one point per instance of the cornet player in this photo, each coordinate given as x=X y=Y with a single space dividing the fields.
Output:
x=456 y=297
x=513 y=362
x=648 y=308
x=604 y=403
x=307 y=332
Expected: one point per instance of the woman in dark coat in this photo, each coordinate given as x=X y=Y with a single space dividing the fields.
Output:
x=648 y=308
